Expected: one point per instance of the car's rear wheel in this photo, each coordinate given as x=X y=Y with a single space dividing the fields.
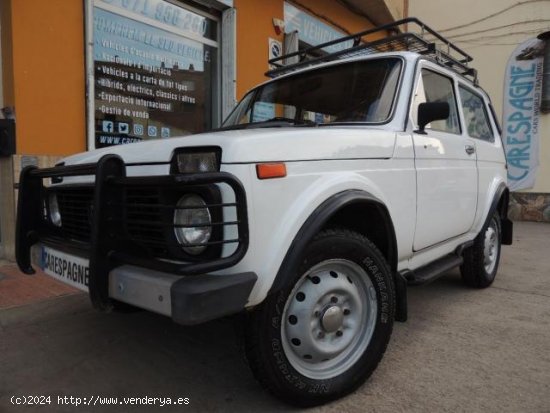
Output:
x=481 y=260
x=324 y=334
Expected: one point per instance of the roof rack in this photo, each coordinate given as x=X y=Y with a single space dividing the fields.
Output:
x=423 y=40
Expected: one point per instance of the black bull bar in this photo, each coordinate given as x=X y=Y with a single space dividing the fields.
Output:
x=107 y=226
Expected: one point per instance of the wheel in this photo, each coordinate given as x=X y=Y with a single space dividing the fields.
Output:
x=481 y=259
x=323 y=335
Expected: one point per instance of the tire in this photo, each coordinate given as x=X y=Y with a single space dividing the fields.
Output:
x=481 y=260
x=322 y=336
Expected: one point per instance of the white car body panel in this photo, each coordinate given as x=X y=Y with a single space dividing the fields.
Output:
x=261 y=145
x=303 y=190
x=447 y=185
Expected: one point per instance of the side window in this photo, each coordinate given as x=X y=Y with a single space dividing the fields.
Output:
x=475 y=115
x=433 y=87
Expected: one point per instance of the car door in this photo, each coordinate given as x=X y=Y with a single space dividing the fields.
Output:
x=477 y=125
x=445 y=162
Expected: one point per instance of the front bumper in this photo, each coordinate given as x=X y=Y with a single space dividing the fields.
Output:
x=187 y=300
x=110 y=263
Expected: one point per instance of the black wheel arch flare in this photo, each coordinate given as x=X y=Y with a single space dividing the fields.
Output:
x=500 y=203
x=316 y=222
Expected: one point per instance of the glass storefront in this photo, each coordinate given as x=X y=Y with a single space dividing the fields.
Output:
x=311 y=30
x=155 y=67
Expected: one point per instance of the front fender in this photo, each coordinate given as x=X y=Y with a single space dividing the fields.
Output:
x=281 y=209
x=315 y=223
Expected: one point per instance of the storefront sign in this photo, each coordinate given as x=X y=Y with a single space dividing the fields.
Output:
x=165 y=13
x=275 y=49
x=311 y=30
x=154 y=65
x=521 y=112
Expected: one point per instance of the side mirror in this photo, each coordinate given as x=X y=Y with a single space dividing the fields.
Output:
x=430 y=111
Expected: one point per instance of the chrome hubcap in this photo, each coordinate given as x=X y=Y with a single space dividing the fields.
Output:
x=490 y=247
x=332 y=319
x=329 y=319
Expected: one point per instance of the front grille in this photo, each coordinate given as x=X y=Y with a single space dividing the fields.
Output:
x=75 y=206
x=142 y=216
x=143 y=220
x=147 y=215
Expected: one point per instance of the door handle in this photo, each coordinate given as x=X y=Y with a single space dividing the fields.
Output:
x=470 y=149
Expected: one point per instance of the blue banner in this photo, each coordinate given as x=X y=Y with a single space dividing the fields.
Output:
x=521 y=113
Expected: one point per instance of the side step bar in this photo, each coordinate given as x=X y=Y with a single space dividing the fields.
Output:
x=433 y=270
x=424 y=275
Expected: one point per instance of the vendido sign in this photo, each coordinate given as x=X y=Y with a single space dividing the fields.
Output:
x=154 y=68
x=521 y=111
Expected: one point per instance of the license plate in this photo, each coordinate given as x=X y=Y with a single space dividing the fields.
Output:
x=67 y=268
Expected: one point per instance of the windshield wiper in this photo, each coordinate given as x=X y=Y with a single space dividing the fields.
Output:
x=279 y=122
x=292 y=121
x=276 y=122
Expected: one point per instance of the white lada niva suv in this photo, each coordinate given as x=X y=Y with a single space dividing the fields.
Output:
x=375 y=169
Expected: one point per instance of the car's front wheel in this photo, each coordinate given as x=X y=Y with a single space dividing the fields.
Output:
x=324 y=334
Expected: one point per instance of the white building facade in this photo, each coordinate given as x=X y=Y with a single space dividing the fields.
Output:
x=491 y=31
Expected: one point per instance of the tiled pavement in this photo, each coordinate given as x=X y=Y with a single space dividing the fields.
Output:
x=17 y=289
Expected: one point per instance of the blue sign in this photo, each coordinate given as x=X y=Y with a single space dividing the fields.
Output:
x=117 y=38
x=311 y=30
x=165 y=13
x=263 y=111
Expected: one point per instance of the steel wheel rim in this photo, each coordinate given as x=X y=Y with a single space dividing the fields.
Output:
x=490 y=247
x=329 y=319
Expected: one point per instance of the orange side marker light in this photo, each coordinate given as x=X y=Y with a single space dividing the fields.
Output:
x=270 y=170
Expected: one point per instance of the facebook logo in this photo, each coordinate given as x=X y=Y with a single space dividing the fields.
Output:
x=108 y=126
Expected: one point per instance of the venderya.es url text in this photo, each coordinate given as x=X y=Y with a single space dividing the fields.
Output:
x=95 y=400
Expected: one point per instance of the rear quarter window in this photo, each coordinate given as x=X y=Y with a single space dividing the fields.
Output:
x=476 y=118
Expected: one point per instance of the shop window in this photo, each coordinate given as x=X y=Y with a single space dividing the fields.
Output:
x=155 y=67
x=303 y=30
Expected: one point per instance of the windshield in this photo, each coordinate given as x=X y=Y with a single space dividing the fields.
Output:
x=360 y=91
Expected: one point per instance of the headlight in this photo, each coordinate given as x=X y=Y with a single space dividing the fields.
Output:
x=55 y=215
x=192 y=226
x=193 y=162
